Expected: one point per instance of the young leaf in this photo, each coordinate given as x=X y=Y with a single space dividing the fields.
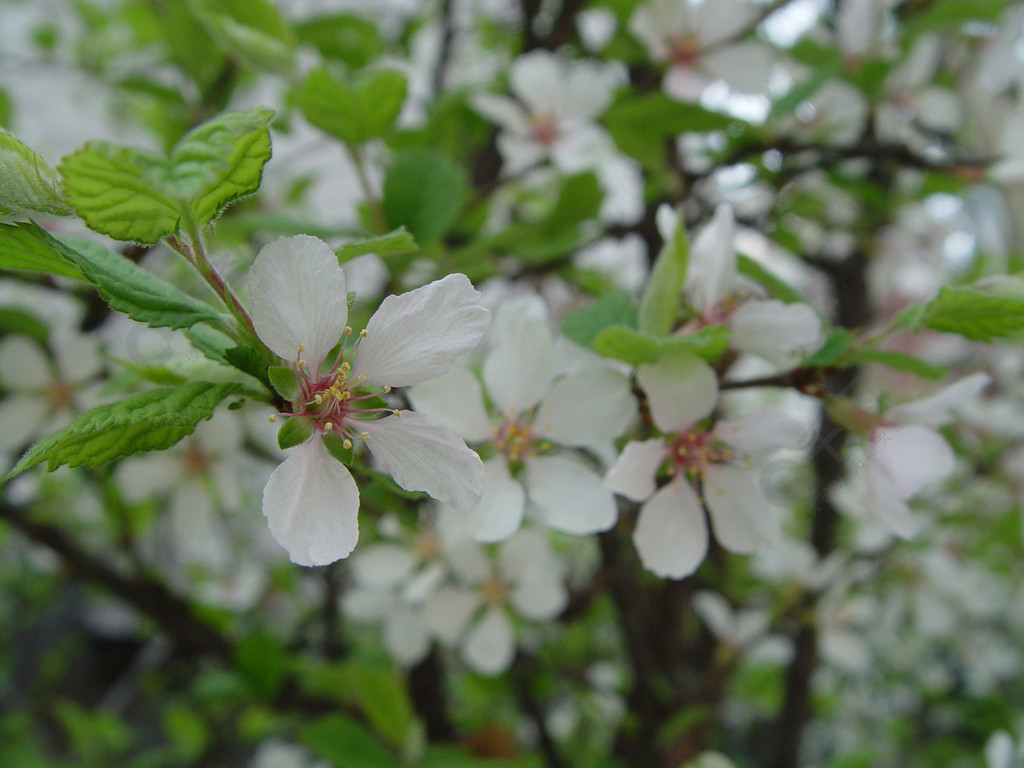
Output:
x=345 y=743
x=776 y=286
x=27 y=183
x=251 y=30
x=357 y=112
x=900 y=362
x=396 y=243
x=424 y=191
x=583 y=325
x=28 y=246
x=151 y=420
x=975 y=314
x=634 y=347
x=659 y=305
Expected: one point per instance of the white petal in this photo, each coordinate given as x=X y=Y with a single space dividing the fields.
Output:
x=716 y=613
x=311 y=503
x=405 y=636
x=519 y=369
x=720 y=20
x=912 y=455
x=502 y=110
x=763 y=431
x=23 y=365
x=587 y=408
x=456 y=399
x=418 y=335
x=745 y=66
x=77 y=356
x=774 y=330
x=999 y=750
x=500 y=510
x=21 y=418
x=490 y=644
x=297 y=295
x=571 y=497
x=743 y=520
x=711 y=275
x=447 y=611
x=587 y=90
x=671 y=536
x=536 y=78
x=884 y=503
x=934 y=410
x=540 y=595
x=685 y=83
x=681 y=390
x=382 y=565
x=424 y=456
x=634 y=471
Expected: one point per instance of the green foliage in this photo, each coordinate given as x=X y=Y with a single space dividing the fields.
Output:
x=335 y=445
x=659 y=306
x=350 y=39
x=354 y=112
x=583 y=325
x=27 y=183
x=424 y=191
x=975 y=314
x=133 y=194
x=346 y=744
x=283 y=381
x=151 y=420
x=900 y=362
x=399 y=242
x=776 y=286
x=252 y=31
x=294 y=431
x=635 y=347
x=26 y=246
x=263 y=660
x=947 y=13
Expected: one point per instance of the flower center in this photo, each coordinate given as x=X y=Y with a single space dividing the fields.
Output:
x=684 y=51
x=61 y=394
x=195 y=461
x=516 y=439
x=493 y=591
x=694 y=451
x=544 y=129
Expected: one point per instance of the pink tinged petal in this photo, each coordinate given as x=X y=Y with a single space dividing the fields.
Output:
x=685 y=83
x=934 y=410
x=21 y=419
x=775 y=330
x=298 y=295
x=23 y=365
x=418 y=335
x=570 y=496
x=405 y=636
x=883 y=501
x=743 y=520
x=587 y=408
x=634 y=471
x=711 y=276
x=913 y=457
x=311 y=503
x=490 y=644
x=519 y=370
x=456 y=399
x=671 y=536
x=424 y=456
x=763 y=431
x=681 y=390
x=448 y=611
x=500 y=510
x=382 y=565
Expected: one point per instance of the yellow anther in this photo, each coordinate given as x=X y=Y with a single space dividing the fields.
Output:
x=272 y=418
x=364 y=435
x=302 y=348
x=345 y=367
x=348 y=329
x=363 y=334
x=397 y=412
x=386 y=389
x=318 y=399
x=329 y=426
x=347 y=443
x=302 y=363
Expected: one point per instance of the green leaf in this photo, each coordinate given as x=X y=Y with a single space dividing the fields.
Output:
x=263 y=659
x=27 y=183
x=139 y=294
x=133 y=194
x=14 y=320
x=213 y=344
x=900 y=362
x=345 y=743
x=583 y=325
x=396 y=243
x=294 y=431
x=252 y=360
x=635 y=347
x=283 y=381
x=659 y=305
x=252 y=31
x=944 y=13
x=151 y=420
x=975 y=314
x=777 y=287
x=351 y=39
x=833 y=350
x=353 y=113
x=28 y=246
x=424 y=191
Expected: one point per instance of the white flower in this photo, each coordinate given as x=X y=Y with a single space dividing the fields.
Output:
x=671 y=535
x=299 y=309
x=904 y=453
x=536 y=408
x=695 y=40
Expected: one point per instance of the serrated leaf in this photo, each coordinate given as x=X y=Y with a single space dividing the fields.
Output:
x=634 y=347
x=899 y=361
x=975 y=314
x=27 y=182
x=294 y=431
x=213 y=344
x=424 y=191
x=133 y=194
x=662 y=297
x=28 y=246
x=777 y=287
x=583 y=325
x=251 y=360
x=356 y=112
x=396 y=243
x=345 y=743
x=130 y=289
x=151 y=420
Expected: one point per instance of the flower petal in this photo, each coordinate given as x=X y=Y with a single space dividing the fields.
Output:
x=405 y=636
x=913 y=457
x=382 y=565
x=456 y=399
x=571 y=496
x=742 y=518
x=519 y=369
x=22 y=417
x=447 y=612
x=418 y=335
x=23 y=365
x=934 y=410
x=763 y=431
x=424 y=456
x=711 y=275
x=633 y=473
x=774 y=330
x=587 y=408
x=298 y=296
x=883 y=502
x=681 y=390
x=671 y=536
x=311 y=503
x=502 y=501
x=490 y=644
